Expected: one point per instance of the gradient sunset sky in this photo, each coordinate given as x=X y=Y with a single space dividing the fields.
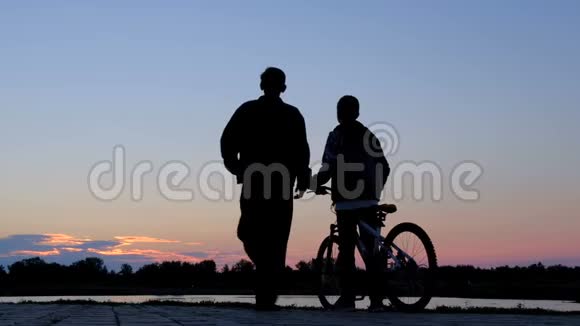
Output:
x=494 y=82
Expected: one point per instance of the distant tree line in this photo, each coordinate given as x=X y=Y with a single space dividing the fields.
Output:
x=34 y=276
x=535 y=281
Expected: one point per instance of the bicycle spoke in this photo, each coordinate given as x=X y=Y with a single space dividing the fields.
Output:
x=408 y=280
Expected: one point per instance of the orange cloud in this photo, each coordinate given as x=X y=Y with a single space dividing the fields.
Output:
x=58 y=239
x=52 y=252
x=69 y=249
x=194 y=243
x=150 y=254
x=127 y=240
x=124 y=248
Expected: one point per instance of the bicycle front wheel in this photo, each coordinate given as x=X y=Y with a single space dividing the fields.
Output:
x=328 y=282
x=411 y=276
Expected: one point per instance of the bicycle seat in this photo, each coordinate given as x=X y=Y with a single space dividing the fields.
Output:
x=388 y=208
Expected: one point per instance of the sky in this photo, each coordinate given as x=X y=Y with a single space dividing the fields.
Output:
x=491 y=82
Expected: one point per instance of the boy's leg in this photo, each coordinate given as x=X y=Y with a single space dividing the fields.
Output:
x=374 y=265
x=347 y=236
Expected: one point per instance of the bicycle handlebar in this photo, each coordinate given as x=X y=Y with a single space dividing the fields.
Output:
x=385 y=208
x=322 y=190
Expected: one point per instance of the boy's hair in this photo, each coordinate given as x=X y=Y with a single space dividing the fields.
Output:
x=347 y=109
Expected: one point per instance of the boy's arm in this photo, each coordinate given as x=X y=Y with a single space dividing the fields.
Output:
x=328 y=161
x=378 y=152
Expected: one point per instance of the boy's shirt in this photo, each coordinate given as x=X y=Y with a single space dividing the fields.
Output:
x=354 y=204
x=350 y=144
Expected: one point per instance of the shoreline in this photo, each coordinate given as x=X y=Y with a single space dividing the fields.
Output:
x=188 y=292
x=246 y=293
x=238 y=305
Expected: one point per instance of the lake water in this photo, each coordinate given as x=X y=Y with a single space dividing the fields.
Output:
x=307 y=301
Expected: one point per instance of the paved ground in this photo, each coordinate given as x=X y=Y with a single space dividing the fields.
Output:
x=63 y=314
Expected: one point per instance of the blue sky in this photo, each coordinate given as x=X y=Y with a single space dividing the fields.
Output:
x=494 y=82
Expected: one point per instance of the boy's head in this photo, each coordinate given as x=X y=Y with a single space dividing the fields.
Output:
x=347 y=109
x=273 y=81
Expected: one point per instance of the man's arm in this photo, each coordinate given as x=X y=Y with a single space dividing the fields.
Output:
x=303 y=157
x=230 y=144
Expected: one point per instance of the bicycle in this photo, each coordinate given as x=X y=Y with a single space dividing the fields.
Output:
x=409 y=271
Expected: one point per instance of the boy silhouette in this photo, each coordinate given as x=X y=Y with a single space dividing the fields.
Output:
x=354 y=160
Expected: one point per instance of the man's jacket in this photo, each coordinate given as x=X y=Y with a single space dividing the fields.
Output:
x=264 y=145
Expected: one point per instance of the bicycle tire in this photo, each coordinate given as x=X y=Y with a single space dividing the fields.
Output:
x=322 y=269
x=429 y=282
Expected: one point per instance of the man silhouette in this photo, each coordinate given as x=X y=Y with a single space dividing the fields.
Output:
x=264 y=145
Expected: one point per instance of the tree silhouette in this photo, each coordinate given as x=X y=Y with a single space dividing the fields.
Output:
x=34 y=276
x=126 y=271
x=89 y=269
x=3 y=274
x=207 y=267
x=306 y=267
x=243 y=266
x=36 y=270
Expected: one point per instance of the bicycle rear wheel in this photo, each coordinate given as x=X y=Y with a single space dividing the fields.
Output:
x=328 y=282
x=411 y=284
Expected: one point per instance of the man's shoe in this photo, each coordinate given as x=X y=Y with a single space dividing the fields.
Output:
x=266 y=302
x=344 y=304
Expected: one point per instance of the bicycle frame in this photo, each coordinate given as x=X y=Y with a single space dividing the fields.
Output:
x=378 y=239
